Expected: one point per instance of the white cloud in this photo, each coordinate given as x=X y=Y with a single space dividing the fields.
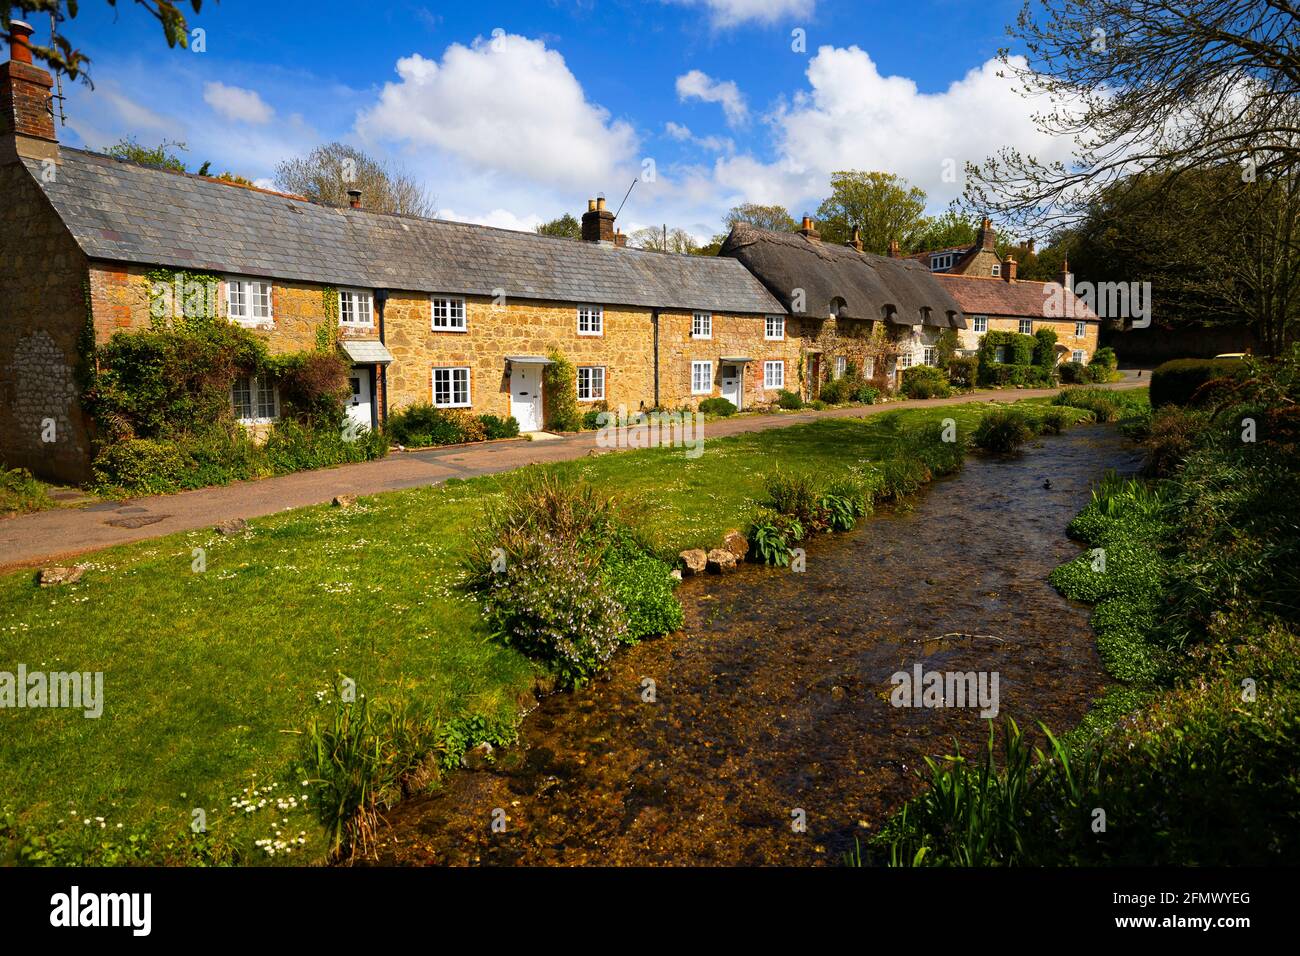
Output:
x=237 y=104
x=683 y=134
x=700 y=86
x=677 y=131
x=506 y=105
x=852 y=117
x=731 y=13
x=501 y=218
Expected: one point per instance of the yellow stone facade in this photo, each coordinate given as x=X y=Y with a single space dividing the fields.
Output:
x=1065 y=334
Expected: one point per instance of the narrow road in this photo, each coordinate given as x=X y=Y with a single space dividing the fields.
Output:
x=60 y=534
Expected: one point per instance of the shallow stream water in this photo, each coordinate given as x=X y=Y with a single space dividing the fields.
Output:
x=774 y=700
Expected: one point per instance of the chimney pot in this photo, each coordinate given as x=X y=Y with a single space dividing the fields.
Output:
x=354 y=198
x=20 y=46
x=809 y=229
x=597 y=221
x=1009 y=269
x=893 y=249
x=600 y=202
x=591 y=205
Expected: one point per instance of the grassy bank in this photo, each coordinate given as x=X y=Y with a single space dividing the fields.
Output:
x=20 y=493
x=210 y=675
x=1191 y=758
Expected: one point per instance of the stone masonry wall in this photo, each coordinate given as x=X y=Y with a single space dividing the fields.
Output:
x=42 y=316
x=1064 y=333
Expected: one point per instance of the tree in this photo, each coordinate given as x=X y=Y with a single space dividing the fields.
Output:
x=62 y=57
x=773 y=218
x=951 y=230
x=566 y=227
x=327 y=173
x=161 y=155
x=881 y=205
x=653 y=239
x=1146 y=86
x=1214 y=249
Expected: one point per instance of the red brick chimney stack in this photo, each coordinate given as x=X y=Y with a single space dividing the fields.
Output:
x=986 y=236
x=597 y=222
x=26 y=109
x=1009 y=269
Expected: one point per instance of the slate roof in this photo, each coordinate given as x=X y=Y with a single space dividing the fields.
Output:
x=125 y=212
x=842 y=281
x=1024 y=298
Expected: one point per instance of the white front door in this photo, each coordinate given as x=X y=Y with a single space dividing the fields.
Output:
x=731 y=384
x=359 y=406
x=526 y=395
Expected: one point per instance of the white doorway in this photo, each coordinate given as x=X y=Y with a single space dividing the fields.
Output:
x=732 y=378
x=526 y=395
x=360 y=405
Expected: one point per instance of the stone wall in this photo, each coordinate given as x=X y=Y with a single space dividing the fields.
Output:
x=42 y=317
x=733 y=336
x=516 y=327
x=969 y=339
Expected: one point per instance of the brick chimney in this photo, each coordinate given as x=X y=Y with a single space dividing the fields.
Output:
x=597 y=222
x=1064 y=277
x=1009 y=269
x=620 y=239
x=1029 y=247
x=894 y=251
x=986 y=235
x=809 y=230
x=856 y=241
x=354 y=198
x=26 y=109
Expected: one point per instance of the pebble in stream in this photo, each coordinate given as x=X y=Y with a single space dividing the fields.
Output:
x=775 y=696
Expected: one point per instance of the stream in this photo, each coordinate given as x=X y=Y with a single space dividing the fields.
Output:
x=773 y=706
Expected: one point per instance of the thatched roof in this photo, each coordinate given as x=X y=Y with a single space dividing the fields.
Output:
x=840 y=281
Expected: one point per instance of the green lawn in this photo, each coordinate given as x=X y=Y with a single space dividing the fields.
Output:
x=209 y=676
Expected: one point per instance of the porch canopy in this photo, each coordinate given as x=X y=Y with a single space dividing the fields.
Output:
x=366 y=351
x=528 y=360
x=734 y=360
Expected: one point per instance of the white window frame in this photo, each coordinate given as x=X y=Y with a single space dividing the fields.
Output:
x=841 y=366
x=357 y=295
x=247 y=290
x=1023 y=323
x=701 y=378
x=941 y=262
x=1079 y=355
x=594 y=393
x=774 y=328
x=594 y=318
x=257 y=385
x=1080 y=330
x=771 y=381
x=979 y=323
x=701 y=325
x=996 y=270
x=454 y=318
x=905 y=359
x=929 y=355
x=452 y=376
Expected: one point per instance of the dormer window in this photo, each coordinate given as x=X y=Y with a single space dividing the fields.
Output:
x=940 y=262
x=997 y=269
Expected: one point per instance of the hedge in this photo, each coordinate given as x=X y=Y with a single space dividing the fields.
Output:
x=1176 y=382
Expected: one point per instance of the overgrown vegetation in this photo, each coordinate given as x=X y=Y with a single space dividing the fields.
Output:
x=21 y=493
x=1193 y=574
x=925 y=381
x=1181 y=381
x=422 y=425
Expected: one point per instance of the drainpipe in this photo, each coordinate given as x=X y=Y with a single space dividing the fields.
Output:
x=381 y=299
x=654 y=322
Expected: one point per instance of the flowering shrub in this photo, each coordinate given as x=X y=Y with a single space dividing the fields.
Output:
x=544 y=603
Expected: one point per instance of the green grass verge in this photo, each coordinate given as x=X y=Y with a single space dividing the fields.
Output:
x=20 y=493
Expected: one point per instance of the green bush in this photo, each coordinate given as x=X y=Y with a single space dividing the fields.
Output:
x=773 y=536
x=925 y=381
x=1073 y=373
x=1045 y=348
x=421 y=425
x=963 y=371
x=643 y=585
x=1054 y=420
x=1179 y=381
x=789 y=400
x=1020 y=355
x=496 y=427
x=1105 y=357
x=866 y=394
x=142 y=466
x=718 y=406
x=559 y=383
x=1003 y=431
x=837 y=391
x=20 y=492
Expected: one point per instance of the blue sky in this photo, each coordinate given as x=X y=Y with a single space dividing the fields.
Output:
x=512 y=113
